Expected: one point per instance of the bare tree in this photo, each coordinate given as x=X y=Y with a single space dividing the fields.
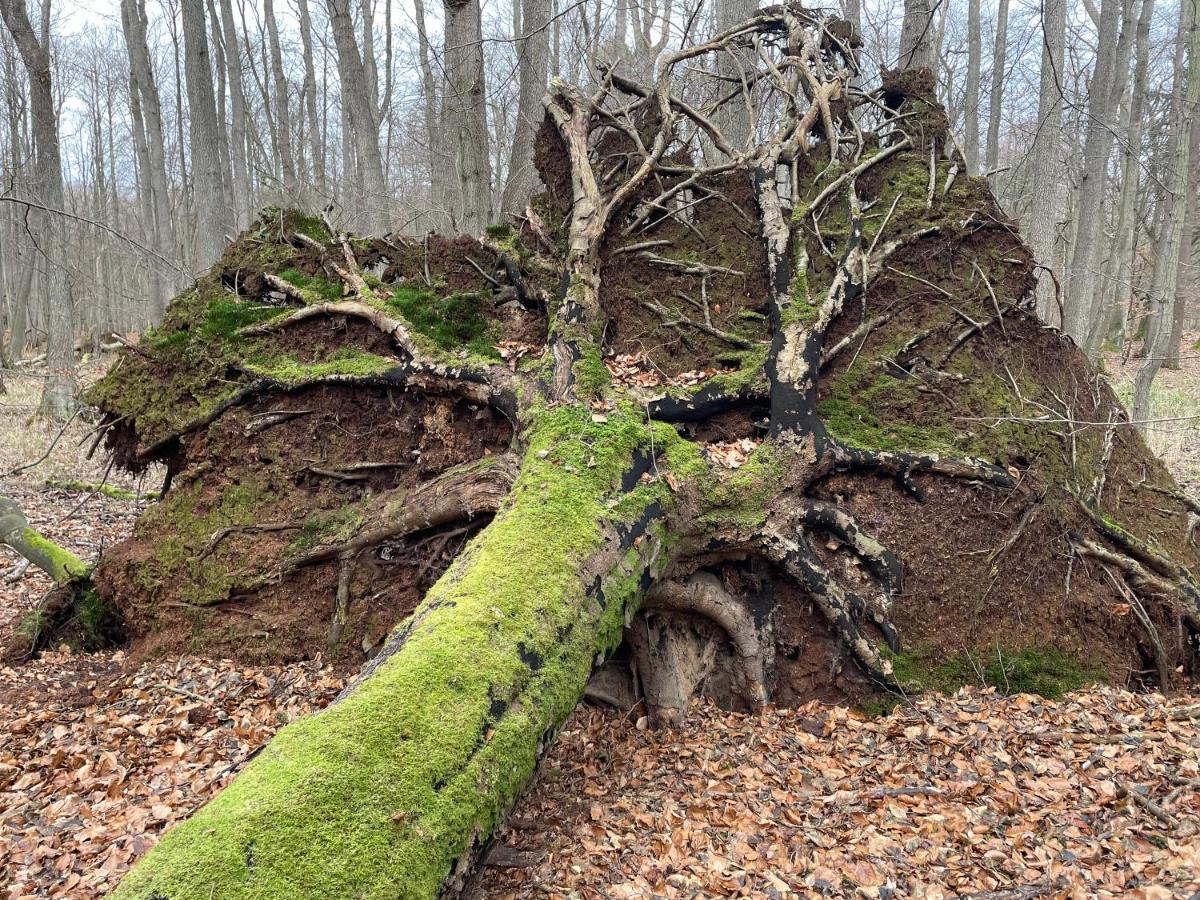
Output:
x=917 y=48
x=60 y=390
x=465 y=112
x=364 y=127
x=996 y=101
x=1163 y=295
x=1083 y=273
x=203 y=141
x=971 y=99
x=533 y=63
x=1045 y=214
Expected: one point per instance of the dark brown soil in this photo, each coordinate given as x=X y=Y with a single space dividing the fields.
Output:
x=287 y=467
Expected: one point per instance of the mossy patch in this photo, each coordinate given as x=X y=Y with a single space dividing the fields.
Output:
x=1046 y=671
x=451 y=323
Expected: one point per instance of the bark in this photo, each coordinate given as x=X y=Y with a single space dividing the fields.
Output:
x=59 y=393
x=60 y=564
x=1119 y=272
x=282 y=113
x=207 y=199
x=308 y=95
x=239 y=167
x=439 y=162
x=533 y=63
x=971 y=100
x=1048 y=194
x=364 y=127
x=465 y=113
x=1083 y=285
x=917 y=36
x=996 y=101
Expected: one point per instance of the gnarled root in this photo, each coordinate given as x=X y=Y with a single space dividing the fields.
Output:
x=677 y=642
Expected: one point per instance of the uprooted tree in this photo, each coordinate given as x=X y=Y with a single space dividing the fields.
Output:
x=763 y=422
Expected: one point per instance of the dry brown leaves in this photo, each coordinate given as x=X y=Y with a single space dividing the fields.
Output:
x=955 y=796
x=731 y=454
x=638 y=370
x=95 y=762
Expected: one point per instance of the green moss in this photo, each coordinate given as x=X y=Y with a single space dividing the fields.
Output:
x=1046 y=671
x=348 y=361
x=451 y=323
x=320 y=288
x=98 y=625
x=501 y=236
x=592 y=377
x=380 y=793
x=59 y=563
x=182 y=525
x=332 y=526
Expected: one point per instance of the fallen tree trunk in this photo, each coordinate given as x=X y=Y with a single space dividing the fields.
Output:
x=59 y=563
x=819 y=428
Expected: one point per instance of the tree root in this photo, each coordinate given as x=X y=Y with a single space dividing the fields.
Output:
x=840 y=606
x=879 y=560
x=904 y=465
x=462 y=492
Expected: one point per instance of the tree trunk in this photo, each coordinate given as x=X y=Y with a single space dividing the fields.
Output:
x=364 y=125
x=202 y=139
x=971 y=99
x=533 y=62
x=237 y=113
x=282 y=115
x=309 y=97
x=917 y=36
x=439 y=160
x=465 y=112
x=996 y=101
x=1163 y=294
x=1119 y=272
x=1083 y=274
x=15 y=531
x=1048 y=189
x=59 y=392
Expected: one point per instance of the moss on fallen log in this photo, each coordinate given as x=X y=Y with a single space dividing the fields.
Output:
x=389 y=790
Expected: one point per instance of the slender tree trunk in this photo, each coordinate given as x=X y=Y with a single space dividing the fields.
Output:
x=996 y=101
x=735 y=117
x=1185 y=276
x=971 y=100
x=1119 y=270
x=143 y=92
x=465 y=107
x=1083 y=275
x=283 y=119
x=60 y=389
x=1163 y=295
x=533 y=61
x=1047 y=185
x=439 y=200
x=309 y=93
x=206 y=173
x=239 y=168
x=356 y=100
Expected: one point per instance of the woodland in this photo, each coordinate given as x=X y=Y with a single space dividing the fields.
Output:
x=536 y=377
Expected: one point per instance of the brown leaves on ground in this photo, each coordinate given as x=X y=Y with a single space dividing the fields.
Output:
x=954 y=796
x=96 y=762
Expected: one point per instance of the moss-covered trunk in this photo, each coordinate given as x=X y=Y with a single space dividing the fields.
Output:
x=393 y=790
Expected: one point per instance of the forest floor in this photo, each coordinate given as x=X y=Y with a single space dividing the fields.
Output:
x=1094 y=795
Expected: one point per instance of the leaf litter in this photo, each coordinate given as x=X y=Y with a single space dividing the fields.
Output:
x=970 y=795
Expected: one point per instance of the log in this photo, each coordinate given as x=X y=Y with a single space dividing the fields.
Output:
x=59 y=563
